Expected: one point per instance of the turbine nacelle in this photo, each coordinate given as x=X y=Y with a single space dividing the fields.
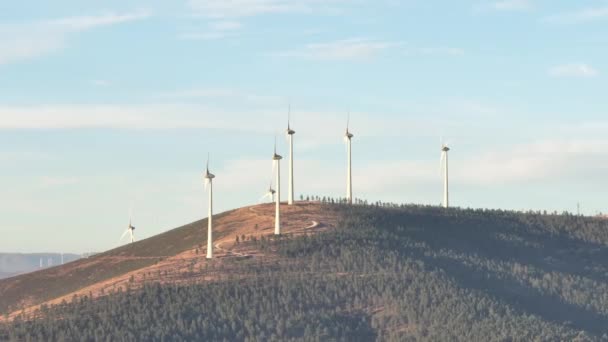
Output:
x=276 y=157
x=209 y=175
x=445 y=148
x=348 y=135
x=289 y=130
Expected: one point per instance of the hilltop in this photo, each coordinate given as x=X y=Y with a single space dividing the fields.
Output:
x=171 y=257
x=364 y=272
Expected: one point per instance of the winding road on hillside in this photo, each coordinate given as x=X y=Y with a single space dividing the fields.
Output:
x=218 y=245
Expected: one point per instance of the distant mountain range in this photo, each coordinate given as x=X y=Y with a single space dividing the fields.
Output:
x=12 y=264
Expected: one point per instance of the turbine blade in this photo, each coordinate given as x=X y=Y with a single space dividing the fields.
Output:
x=206 y=183
x=348 y=121
x=265 y=196
x=130 y=212
x=123 y=235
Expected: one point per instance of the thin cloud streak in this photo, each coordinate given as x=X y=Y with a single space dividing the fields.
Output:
x=248 y=8
x=573 y=70
x=580 y=16
x=23 y=41
x=504 y=6
x=346 y=49
x=512 y=5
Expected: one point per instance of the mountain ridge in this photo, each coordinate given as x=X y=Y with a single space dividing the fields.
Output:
x=382 y=271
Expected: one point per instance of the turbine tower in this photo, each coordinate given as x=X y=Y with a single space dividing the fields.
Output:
x=349 y=175
x=444 y=170
x=131 y=231
x=209 y=185
x=290 y=134
x=276 y=159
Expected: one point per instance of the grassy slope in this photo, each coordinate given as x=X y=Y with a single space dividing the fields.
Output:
x=54 y=282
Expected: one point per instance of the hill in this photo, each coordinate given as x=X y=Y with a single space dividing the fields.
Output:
x=169 y=257
x=369 y=272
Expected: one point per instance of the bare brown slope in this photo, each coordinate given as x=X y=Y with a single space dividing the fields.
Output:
x=176 y=256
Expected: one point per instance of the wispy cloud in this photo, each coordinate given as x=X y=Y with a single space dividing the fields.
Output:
x=573 y=70
x=22 y=41
x=230 y=94
x=248 y=8
x=512 y=5
x=215 y=30
x=347 y=49
x=540 y=161
x=100 y=83
x=504 y=6
x=225 y=18
x=55 y=181
x=584 y=15
x=104 y=116
x=435 y=51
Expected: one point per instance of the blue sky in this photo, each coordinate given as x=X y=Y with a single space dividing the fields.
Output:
x=106 y=105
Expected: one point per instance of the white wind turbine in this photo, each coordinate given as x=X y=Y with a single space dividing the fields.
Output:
x=349 y=175
x=209 y=186
x=276 y=159
x=269 y=193
x=443 y=164
x=130 y=229
x=290 y=134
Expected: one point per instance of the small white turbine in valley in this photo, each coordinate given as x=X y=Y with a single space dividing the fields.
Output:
x=276 y=160
x=444 y=173
x=290 y=133
x=349 y=173
x=209 y=186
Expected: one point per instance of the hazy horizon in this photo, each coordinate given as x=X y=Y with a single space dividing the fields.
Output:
x=104 y=107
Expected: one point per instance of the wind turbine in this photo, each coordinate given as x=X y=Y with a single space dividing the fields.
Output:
x=349 y=176
x=276 y=159
x=130 y=229
x=290 y=134
x=443 y=164
x=209 y=185
x=269 y=194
